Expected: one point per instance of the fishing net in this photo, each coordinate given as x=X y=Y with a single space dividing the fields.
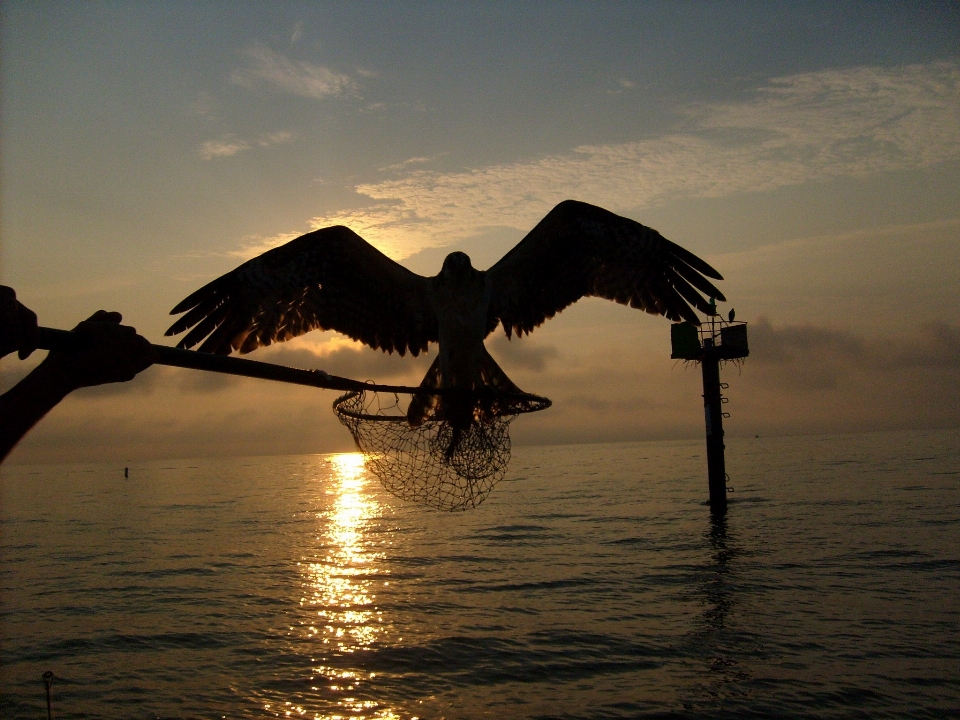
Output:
x=449 y=466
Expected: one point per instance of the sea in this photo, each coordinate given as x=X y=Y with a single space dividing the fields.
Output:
x=594 y=582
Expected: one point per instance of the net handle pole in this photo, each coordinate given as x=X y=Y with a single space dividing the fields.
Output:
x=54 y=339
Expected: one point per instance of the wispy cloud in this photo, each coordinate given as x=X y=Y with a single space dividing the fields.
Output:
x=623 y=85
x=213 y=149
x=408 y=162
x=222 y=148
x=795 y=129
x=276 y=138
x=297 y=33
x=269 y=68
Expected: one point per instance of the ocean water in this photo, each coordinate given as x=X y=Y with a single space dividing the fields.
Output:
x=593 y=583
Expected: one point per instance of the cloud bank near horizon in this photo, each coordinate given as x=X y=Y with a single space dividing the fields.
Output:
x=799 y=378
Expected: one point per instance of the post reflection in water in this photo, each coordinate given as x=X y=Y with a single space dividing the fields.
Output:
x=341 y=595
x=718 y=598
x=717 y=595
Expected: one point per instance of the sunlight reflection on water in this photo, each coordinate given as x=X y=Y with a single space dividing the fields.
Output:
x=339 y=586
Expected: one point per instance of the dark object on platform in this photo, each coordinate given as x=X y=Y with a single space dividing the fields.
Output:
x=733 y=341
x=687 y=341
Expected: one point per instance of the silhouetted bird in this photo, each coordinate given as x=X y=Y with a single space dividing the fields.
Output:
x=732 y=314
x=332 y=279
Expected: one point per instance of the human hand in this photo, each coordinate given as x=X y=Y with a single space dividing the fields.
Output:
x=18 y=325
x=105 y=352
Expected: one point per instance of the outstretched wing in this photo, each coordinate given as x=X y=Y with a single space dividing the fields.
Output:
x=580 y=250
x=331 y=279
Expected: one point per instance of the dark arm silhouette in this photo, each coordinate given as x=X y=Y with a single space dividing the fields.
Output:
x=105 y=352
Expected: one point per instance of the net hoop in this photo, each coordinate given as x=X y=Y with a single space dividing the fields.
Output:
x=504 y=404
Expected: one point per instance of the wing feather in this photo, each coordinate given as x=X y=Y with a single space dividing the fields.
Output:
x=330 y=279
x=694 y=277
x=580 y=250
x=686 y=291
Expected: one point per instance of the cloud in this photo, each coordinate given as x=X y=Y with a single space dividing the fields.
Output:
x=271 y=69
x=277 y=138
x=881 y=278
x=160 y=377
x=792 y=343
x=793 y=130
x=410 y=161
x=934 y=344
x=350 y=360
x=937 y=346
x=622 y=85
x=212 y=149
x=222 y=148
x=521 y=353
x=799 y=378
x=811 y=378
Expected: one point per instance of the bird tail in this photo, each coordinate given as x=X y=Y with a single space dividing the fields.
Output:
x=423 y=407
x=493 y=375
x=460 y=410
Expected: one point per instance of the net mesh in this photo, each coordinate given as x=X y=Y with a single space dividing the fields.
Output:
x=436 y=463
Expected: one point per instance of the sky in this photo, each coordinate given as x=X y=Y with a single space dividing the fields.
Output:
x=808 y=151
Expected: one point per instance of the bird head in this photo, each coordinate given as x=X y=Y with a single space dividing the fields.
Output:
x=456 y=266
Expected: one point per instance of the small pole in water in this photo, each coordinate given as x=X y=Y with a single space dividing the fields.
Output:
x=709 y=345
x=48 y=681
x=713 y=417
x=126 y=472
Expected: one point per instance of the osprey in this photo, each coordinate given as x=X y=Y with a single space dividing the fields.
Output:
x=332 y=279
